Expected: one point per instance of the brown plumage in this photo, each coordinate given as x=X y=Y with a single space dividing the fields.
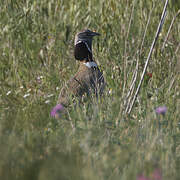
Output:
x=89 y=79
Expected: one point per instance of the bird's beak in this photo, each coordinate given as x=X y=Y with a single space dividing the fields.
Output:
x=94 y=33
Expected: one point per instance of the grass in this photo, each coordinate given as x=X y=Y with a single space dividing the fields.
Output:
x=96 y=140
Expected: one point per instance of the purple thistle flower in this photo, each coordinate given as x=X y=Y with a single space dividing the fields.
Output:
x=161 y=110
x=142 y=177
x=56 y=110
x=157 y=174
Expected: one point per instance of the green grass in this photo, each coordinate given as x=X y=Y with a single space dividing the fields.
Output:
x=96 y=140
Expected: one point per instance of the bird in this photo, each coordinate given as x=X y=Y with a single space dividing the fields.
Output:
x=88 y=80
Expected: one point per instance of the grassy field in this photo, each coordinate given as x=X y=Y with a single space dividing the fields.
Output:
x=97 y=141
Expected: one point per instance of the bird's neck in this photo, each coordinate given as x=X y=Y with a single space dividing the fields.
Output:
x=87 y=64
x=86 y=61
x=83 y=52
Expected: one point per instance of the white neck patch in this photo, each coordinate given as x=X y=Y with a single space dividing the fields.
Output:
x=90 y=64
x=78 y=42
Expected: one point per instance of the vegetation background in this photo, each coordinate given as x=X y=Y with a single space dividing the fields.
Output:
x=97 y=140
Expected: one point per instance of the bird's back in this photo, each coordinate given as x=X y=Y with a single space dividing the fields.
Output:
x=87 y=81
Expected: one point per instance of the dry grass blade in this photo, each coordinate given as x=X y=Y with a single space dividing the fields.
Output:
x=149 y=55
x=130 y=93
x=131 y=89
x=125 y=45
x=149 y=18
x=170 y=27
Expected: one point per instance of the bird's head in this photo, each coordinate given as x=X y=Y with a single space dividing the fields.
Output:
x=85 y=36
x=83 y=45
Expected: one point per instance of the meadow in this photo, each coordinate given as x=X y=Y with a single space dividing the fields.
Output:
x=97 y=140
